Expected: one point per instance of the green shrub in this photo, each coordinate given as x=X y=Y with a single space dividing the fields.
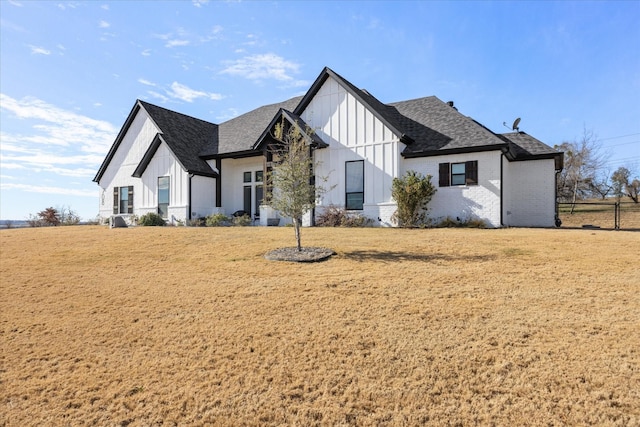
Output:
x=412 y=192
x=151 y=219
x=217 y=220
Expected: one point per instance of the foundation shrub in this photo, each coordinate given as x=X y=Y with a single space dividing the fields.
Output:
x=449 y=222
x=242 y=220
x=217 y=220
x=334 y=216
x=151 y=219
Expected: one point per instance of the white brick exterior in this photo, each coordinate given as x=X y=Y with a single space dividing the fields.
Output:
x=529 y=193
x=465 y=202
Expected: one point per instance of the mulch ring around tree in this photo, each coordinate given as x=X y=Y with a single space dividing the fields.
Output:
x=308 y=254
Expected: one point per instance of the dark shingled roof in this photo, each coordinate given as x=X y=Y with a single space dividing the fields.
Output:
x=237 y=137
x=437 y=128
x=427 y=126
x=185 y=136
x=523 y=146
x=526 y=146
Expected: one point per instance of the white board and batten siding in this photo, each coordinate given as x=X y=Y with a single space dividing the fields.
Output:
x=466 y=202
x=353 y=133
x=130 y=152
x=162 y=164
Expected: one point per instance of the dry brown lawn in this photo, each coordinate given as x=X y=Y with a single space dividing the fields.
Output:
x=192 y=326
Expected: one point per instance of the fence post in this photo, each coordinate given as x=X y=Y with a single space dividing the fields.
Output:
x=617 y=216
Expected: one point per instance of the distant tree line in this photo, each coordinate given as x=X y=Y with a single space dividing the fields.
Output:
x=586 y=176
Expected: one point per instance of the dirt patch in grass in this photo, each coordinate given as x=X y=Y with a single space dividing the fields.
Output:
x=193 y=326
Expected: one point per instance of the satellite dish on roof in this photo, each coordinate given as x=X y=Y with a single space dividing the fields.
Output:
x=515 y=125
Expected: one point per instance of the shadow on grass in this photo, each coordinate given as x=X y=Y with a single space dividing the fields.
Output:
x=392 y=256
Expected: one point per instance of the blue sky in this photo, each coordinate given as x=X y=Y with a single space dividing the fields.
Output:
x=70 y=72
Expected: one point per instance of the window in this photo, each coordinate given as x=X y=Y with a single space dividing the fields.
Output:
x=354 y=185
x=259 y=198
x=247 y=199
x=123 y=200
x=458 y=173
x=163 y=196
x=246 y=177
x=259 y=176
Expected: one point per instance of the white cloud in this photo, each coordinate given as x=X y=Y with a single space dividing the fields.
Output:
x=37 y=50
x=104 y=24
x=260 y=67
x=177 y=42
x=57 y=137
x=184 y=93
x=158 y=95
x=199 y=3
x=146 y=82
x=146 y=52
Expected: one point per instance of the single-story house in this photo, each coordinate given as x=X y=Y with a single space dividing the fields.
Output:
x=185 y=168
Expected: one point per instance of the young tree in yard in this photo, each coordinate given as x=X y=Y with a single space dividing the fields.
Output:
x=623 y=185
x=293 y=188
x=412 y=192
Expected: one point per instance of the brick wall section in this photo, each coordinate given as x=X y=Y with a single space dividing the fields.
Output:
x=465 y=202
x=529 y=193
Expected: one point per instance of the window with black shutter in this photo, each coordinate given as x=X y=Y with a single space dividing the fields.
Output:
x=123 y=200
x=452 y=174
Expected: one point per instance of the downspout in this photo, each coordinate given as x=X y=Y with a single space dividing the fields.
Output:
x=502 y=156
x=189 y=213
x=557 y=220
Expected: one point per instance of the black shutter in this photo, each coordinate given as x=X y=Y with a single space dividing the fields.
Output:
x=444 y=175
x=471 y=169
x=130 y=199
x=116 y=200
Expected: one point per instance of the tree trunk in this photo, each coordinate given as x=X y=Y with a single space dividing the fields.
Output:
x=575 y=195
x=296 y=226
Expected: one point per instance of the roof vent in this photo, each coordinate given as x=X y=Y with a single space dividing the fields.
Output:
x=450 y=104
